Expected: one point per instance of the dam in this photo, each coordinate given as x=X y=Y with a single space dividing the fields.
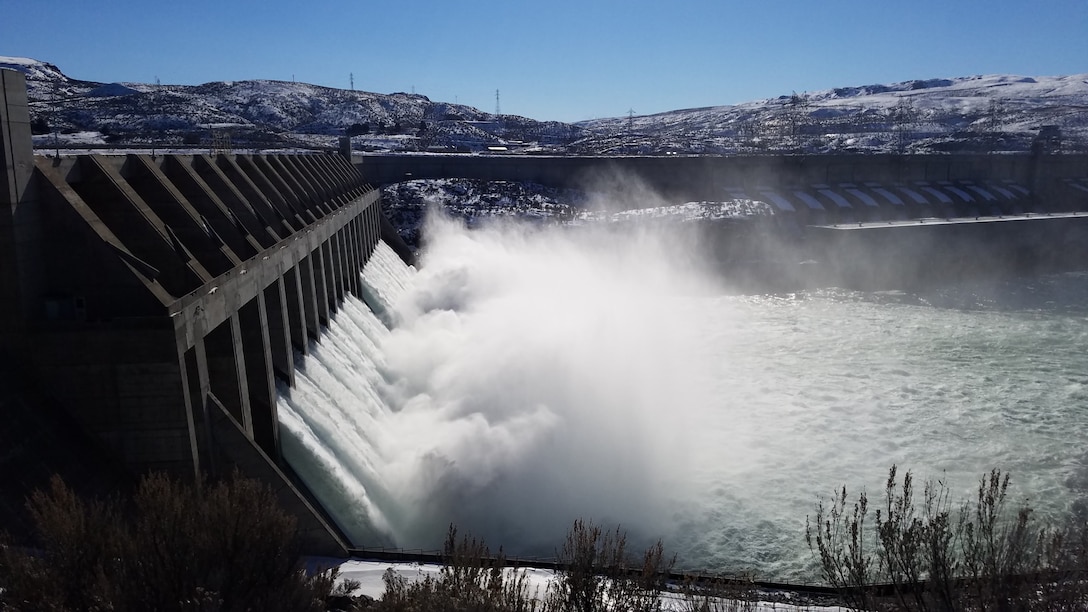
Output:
x=161 y=304
x=158 y=299
x=874 y=220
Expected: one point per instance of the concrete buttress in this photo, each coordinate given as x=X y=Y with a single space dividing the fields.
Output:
x=187 y=284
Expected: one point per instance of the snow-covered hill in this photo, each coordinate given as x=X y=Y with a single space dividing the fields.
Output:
x=979 y=113
x=261 y=113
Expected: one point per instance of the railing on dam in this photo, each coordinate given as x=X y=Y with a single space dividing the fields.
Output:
x=158 y=299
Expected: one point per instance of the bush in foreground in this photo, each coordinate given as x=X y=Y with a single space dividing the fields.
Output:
x=227 y=546
x=595 y=573
x=174 y=546
x=931 y=556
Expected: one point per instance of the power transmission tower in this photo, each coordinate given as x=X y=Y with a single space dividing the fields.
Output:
x=351 y=79
x=220 y=143
x=995 y=117
x=903 y=116
x=796 y=117
x=498 y=110
x=630 y=120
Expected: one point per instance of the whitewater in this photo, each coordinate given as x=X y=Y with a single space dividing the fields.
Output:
x=528 y=376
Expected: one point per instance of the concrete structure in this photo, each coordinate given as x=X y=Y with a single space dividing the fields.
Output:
x=158 y=300
x=814 y=188
x=855 y=220
x=916 y=253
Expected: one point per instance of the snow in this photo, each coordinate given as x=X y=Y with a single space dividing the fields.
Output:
x=74 y=138
x=997 y=112
x=18 y=61
x=369 y=575
x=934 y=114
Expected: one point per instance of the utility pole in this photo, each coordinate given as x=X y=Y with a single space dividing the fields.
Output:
x=157 y=102
x=53 y=113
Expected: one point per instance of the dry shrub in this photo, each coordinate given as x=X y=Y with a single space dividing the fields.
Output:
x=471 y=579
x=978 y=556
x=596 y=573
x=222 y=546
x=719 y=594
x=844 y=547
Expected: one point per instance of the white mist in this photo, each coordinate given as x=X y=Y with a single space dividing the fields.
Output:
x=531 y=376
x=541 y=376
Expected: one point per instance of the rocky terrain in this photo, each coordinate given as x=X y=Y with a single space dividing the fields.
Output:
x=1000 y=113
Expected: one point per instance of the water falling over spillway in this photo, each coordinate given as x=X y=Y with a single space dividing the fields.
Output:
x=523 y=378
x=333 y=418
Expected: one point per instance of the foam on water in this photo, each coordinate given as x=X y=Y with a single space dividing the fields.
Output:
x=527 y=377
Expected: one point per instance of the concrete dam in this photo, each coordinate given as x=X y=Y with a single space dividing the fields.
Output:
x=859 y=220
x=154 y=302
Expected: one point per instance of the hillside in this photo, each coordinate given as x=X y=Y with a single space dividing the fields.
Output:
x=978 y=113
x=259 y=113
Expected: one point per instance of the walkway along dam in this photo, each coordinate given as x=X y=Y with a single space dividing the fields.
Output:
x=153 y=302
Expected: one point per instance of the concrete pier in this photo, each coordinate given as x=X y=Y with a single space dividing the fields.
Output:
x=158 y=299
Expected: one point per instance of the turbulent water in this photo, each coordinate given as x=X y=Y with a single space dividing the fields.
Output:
x=524 y=378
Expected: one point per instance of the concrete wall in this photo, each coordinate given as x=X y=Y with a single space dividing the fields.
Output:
x=158 y=299
x=708 y=178
x=915 y=254
x=18 y=224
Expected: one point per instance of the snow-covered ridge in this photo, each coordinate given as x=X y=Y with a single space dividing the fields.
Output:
x=980 y=113
x=262 y=113
x=974 y=113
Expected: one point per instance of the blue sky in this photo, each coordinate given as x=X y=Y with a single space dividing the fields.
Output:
x=565 y=60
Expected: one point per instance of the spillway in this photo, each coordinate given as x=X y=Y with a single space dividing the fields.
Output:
x=332 y=420
x=524 y=378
